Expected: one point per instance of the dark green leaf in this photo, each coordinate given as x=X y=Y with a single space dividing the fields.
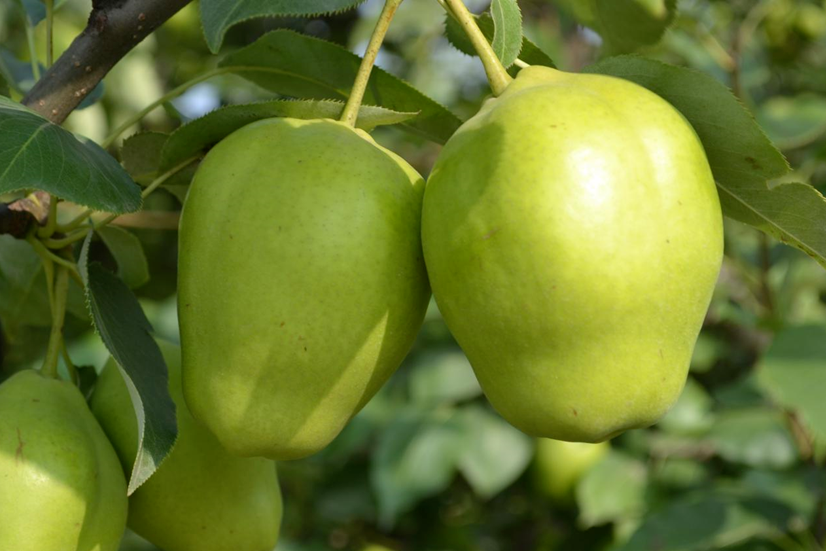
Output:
x=141 y=155
x=793 y=213
x=613 y=490
x=18 y=74
x=709 y=521
x=219 y=15
x=507 y=34
x=439 y=377
x=300 y=66
x=416 y=457
x=34 y=153
x=530 y=53
x=133 y=268
x=627 y=25
x=127 y=334
x=793 y=121
x=495 y=454
x=19 y=270
x=754 y=436
x=204 y=132
x=691 y=415
x=793 y=372
x=36 y=10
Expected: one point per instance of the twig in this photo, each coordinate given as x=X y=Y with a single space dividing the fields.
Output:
x=114 y=28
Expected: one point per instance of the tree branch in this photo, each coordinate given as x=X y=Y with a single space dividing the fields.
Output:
x=114 y=28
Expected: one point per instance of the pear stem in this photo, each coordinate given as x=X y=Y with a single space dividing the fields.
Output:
x=498 y=76
x=351 y=109
x=61 y=288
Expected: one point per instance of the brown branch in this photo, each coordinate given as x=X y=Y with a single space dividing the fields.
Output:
x=114 y=28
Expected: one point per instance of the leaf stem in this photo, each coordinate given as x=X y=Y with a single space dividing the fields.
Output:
x=351 y=110
x=81 y=234
x=49 y=33
x=51 y=222
x=498 y=76
x=61 y=289
x=172 y=94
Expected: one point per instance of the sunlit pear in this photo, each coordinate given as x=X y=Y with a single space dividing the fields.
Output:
x=573 y=237
x=201 y=498
x=61 y=485
x=301 y=282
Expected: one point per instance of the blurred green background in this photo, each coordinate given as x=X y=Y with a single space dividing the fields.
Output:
x=428 y=465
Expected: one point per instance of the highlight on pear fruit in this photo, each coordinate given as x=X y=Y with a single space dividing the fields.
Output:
x=201 y=498
x=573 y=237
x=62 y=486
x=558 y=466
x=302 y=283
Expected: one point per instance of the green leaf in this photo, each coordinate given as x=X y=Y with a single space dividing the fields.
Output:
x=612 y=490
x=416 y=457
x=141 y=155
x=741 y=156
x=219 y=15
x=793 y=122
x=627 y=25
x=495 y=454
x=34 y=153
x=204 y=132
x=530 y=53
x=507 y=34
x=19 y=270
x=443 y=377
x=23 y=298
x=709 y=521
x=300 y=66
x=127 y=334
x=18 y=74
x=793 y=373
x=133 y=268
x=793 y=213
x=753 y=436
x=691 y=415
x=36 y=10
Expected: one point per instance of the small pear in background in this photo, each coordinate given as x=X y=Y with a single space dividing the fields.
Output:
x=558 y=466
x=201 y=498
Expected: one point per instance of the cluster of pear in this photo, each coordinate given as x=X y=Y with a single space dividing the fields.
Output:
x=571 y=234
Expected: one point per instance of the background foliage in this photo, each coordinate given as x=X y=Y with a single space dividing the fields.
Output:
x=428 y=465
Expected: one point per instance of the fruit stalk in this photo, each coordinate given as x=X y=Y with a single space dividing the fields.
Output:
x=61 y=288
x=351 y=109
x=498 y=76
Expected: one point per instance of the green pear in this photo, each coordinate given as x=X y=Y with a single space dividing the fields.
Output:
x=61 y=486
x=558 y=466
x=301 y=282
x=201 y=498
x=573 y=236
